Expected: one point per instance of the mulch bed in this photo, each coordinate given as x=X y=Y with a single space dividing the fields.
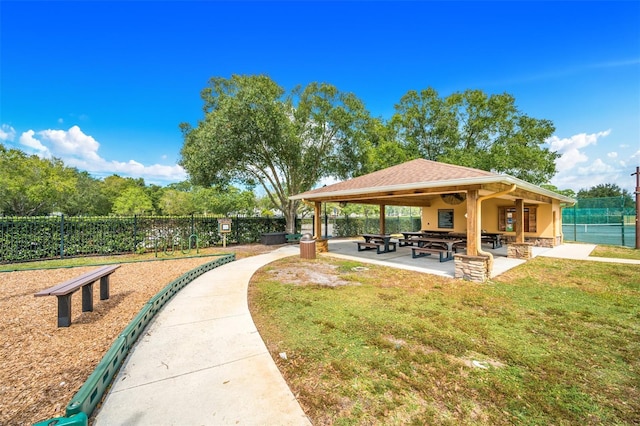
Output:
x=42 y=366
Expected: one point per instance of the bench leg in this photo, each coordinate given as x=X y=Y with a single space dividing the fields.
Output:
x=104 y=288
x=444 y=258
x=87 y=298
x=64 y=310
x=415 y=256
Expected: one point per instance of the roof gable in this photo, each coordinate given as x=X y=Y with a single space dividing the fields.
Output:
x=411 y=172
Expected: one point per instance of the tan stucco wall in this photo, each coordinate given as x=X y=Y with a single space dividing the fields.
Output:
x=546 y=227
x=430 y=216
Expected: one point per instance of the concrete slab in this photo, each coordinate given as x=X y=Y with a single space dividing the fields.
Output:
x=401 y=258
x=202 y=362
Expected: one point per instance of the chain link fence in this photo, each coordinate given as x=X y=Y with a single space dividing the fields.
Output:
x=610 y=220
x=37 y=238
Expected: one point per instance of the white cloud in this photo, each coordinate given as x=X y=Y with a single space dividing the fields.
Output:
x=72 y=143
x=570 y=149
x=79 y=150
x=576 y=169
x=7 y=133
x=27 y=139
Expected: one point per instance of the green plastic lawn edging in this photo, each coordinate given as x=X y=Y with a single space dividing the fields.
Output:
x=91 y=392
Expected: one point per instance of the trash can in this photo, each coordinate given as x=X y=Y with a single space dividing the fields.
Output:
x=307 y=247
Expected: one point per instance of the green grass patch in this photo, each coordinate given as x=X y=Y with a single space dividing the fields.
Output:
x=616 y=252
x=550 y=342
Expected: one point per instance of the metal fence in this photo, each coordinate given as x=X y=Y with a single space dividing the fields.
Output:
x=38 y=238
x=608 y=220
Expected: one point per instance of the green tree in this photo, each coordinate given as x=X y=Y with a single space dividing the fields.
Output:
x=133 y=200
x=114 y=186
x=174 y=202
x=620 y=197
x=568 y=192
x=383 y=150
x=254 y=135
x=87 y=199
x=30 y=185
x=475 y=130
x=155 y=193
x=232 y=200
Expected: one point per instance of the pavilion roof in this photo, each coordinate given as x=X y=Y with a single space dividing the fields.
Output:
x=416 y=181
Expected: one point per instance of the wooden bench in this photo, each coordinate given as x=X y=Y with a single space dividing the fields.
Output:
x=427 y=251
x=65 y=290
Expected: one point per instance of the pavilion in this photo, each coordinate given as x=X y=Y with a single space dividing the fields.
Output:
x=459 y=199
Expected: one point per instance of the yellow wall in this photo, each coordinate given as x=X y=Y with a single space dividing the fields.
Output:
x=544 y=221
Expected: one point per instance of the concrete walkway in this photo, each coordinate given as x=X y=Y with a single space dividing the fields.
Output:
x=581 y=251
x=201 y=361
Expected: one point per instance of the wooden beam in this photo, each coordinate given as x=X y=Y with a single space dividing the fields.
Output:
x=317 y=223
x=519 y=228
x=383 y=215
x=472 y=223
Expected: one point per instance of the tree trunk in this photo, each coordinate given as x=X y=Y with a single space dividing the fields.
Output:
x=290 y=214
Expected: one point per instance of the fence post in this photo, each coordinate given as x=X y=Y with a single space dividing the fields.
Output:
x=237 y=227
x=62 y=236
x=192 y=231
x=135 y=232
x=575 y=225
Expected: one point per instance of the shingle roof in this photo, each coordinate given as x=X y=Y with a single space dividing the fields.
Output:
x=411 y=172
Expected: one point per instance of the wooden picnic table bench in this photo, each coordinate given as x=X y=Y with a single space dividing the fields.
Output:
x=65 y=290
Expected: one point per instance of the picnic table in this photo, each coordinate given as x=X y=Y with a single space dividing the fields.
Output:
x=428 y=245
x=380 y=242
x=492 y=237
x=409 y=238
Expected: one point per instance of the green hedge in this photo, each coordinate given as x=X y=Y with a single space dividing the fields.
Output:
x=37 y=238
x=349 y=227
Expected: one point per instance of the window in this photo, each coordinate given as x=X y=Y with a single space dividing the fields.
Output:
x=445 y=218
x=507 y=219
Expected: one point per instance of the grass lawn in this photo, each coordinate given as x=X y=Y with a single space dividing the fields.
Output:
x=549 y=342
x=616 y=252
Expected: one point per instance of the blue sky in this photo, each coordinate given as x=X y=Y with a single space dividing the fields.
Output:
x=104 y=85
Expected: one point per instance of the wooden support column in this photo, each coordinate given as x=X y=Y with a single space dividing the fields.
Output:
x=383 y=214
x=317 y=223
x=472 y=222
x=519 y=226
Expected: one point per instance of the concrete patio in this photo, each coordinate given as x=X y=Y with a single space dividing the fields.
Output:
x=401 y=258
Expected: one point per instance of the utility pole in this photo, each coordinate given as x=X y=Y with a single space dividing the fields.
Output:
x=637 y=174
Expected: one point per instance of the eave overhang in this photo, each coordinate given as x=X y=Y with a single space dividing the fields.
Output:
x=418 y=193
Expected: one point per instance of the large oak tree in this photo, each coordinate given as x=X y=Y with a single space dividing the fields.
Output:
x=476 y=130
x=254 y=134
